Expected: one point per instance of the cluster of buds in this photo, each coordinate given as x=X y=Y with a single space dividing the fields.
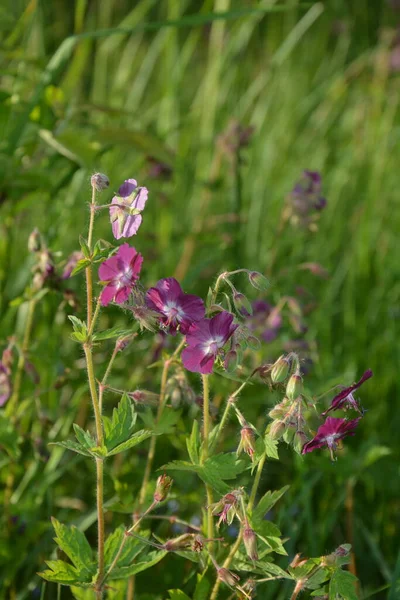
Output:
x=44 y=268
x=288 y=421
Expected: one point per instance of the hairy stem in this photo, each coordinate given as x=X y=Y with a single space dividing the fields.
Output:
x=205 y=453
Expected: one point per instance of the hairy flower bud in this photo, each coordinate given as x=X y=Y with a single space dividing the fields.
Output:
x=144 y=397
x=294 y=387
x=242 y=304
x=279 y=411
x=280 y=370
x=99 y=181
x=277 y=430
x=226 y=576
x=299 y=440
x=231 y=361
x=164 y=483
x=247 y=442
x=258 y=281
x=250 y=542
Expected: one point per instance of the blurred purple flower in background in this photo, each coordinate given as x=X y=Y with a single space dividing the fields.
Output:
x=204 y=340
x=305 y=199
x=265 y=318
x=120 y=272
x=5 y=384
x=126 y=207
x=178 y=310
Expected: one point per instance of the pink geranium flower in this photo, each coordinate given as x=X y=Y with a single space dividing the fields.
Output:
x=126 y=207
x=120 y=273
x=330 y=433
x=177 y=309
x=205 y=339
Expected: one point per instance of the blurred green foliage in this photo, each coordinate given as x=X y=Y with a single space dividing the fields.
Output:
x=102 y=86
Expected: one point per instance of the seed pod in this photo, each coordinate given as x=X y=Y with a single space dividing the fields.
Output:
x=231 y=579
x=280 y=370
x=294 y=387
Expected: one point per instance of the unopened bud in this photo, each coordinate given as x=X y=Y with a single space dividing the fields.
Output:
x=183 y=542
x=247 y=442
x=253 y=342
x=34 y=241
x=164 y=483
x=123 y=342
x=280 y=409
x=226 y=576
x=277 y=430
x=144 y=397
x=230 y=361
x=250 y=543
x=294 y=387
x=258 y=281
x=99 y=181
x=280 y=370
x=242 y=304
x=300 y=439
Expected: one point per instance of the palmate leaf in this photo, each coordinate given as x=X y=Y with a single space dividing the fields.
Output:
x=149 y=561
x=75 y=545
x=342 y=585
x=119 y=427
x=61 y=572
x=132 y=548
x=267 y=502
x=165 y=425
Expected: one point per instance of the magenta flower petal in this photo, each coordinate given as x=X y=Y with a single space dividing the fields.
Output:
x=125 y=208
x=205 y=339
x=120 y=273
x=177 y=309
x=193 y=360
x=330 y=433
x=5 y=384
x=346 y=398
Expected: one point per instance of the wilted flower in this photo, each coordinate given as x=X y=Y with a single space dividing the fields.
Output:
x=346 y=398
x=177 y=309
x=120 y=272
x=247 y=441
x=226 y=576
x=330 y=433
x=205 y=339
x=71 y=264
x=5 y=384
x=226 y=508
x=126 y=207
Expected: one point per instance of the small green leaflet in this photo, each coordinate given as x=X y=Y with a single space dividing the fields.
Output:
x=134 y=440
x=177 y=595
x=149 y=561
x=267 y=502
x=202 y=588
x=75 y=545
x=165 y=425
x=131 y=549
x=193 y=443
x=123 y=421
x=61 y=572
x=342 y=585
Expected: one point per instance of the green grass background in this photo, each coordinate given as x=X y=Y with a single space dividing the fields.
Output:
x=99 y=86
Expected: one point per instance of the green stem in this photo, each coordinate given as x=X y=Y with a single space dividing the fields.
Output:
x=256 y=483
x=13 y=402
x=225 y=415
x=205 y=454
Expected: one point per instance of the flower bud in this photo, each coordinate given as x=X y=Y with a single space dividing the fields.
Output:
x=164 y=483
x=242 y=304
x=34 y=241
x=250 y=542
x=258 y=281
x=99 y=181
x=231 y=361
x=124 y=341
x=280 y=370
x=277 y=430
x=294 y=387
x=280 y=409
x=226 y=576
x=144 y=397
x=183 y=542
x=247 y=442
x=300 y=439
